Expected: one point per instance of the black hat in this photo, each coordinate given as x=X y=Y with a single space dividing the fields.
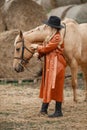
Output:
x=54 y=22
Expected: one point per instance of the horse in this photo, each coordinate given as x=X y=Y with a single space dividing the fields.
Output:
x=74 y=36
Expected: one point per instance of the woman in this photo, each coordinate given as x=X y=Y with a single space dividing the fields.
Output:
x=54 y=66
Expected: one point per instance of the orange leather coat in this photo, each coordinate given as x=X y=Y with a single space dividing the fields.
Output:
x=53 y=70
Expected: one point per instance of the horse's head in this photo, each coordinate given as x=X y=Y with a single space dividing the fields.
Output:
x=22 y=53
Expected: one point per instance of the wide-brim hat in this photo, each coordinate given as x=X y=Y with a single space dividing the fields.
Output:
x=54 y=22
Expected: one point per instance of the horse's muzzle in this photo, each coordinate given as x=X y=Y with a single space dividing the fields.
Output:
x=20 y=68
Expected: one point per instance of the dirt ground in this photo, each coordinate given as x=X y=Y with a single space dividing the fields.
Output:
x=20 y=106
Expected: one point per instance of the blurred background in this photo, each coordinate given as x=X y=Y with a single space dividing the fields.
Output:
x=24 y=15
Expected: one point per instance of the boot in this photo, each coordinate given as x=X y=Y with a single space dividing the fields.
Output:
x=58 y=111
x=44 y=108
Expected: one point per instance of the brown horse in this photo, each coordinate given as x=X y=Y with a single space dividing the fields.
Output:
x=75 y=48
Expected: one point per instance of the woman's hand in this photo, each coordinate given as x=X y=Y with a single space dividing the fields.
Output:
x=34 y=46
x=36 y=54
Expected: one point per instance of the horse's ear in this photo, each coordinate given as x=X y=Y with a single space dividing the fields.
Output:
x=21 y=34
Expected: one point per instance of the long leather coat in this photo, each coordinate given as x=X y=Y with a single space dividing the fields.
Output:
x=53 y=70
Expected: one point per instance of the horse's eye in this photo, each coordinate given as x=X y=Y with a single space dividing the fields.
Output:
x=17 y=49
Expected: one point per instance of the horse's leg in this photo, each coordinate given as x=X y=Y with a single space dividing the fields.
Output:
x=86 y=87
x=84 y=69
x=74 y=70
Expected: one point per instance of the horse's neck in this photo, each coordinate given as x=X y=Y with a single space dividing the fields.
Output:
x=45 y=36
x=37 y=35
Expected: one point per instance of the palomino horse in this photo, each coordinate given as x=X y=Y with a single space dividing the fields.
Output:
x=75 y=47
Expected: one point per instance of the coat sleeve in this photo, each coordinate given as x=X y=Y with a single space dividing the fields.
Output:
x=52 y=45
